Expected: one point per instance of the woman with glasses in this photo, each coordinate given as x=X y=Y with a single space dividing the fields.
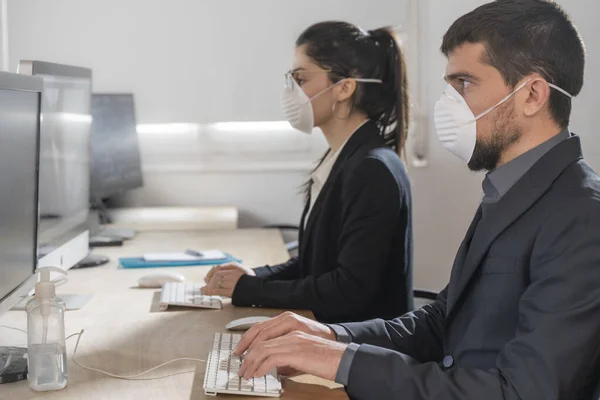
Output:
x=355 y=256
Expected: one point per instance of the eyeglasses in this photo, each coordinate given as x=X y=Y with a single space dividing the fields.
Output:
x=290 y=78
x=292 y=75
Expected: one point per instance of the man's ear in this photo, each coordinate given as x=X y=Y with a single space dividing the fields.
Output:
x=538 y=96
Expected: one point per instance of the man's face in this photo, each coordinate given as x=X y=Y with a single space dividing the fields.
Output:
x=482 y=87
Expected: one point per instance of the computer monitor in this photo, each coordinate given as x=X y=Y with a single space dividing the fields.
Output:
x=64 y=162
x=115 y=152
x=20 y=98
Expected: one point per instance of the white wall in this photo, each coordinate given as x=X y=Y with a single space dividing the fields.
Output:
x=196 y=62
x=186 y=60
x=585 y=107
x=200 y=62
x=3 y=35
x=445 y=194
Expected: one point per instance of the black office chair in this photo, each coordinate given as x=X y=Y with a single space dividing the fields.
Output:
x=291 y=246
x=422 y=297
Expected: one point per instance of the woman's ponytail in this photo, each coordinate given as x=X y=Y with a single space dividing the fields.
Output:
x=393 y=119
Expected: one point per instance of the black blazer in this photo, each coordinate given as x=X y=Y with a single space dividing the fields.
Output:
x=520 y=318
x=355 y=260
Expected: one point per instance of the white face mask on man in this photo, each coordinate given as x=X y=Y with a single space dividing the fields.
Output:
x=297 y=106
x=456 y=125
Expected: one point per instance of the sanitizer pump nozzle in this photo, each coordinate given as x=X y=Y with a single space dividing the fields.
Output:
x=45 y=289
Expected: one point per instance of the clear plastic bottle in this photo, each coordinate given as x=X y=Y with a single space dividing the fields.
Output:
x=46 y=351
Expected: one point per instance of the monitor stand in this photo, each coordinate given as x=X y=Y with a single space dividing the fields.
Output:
x=124 y=233
x=13 y=364
x=104 y=218
x=103 y=214
x=105 y=241
x=92 y=260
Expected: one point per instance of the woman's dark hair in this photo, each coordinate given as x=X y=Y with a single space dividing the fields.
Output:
x=350 y=52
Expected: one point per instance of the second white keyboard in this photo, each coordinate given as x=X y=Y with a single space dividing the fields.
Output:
x=222 y=372
x=186 y=295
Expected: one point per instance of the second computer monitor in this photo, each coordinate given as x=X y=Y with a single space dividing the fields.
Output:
x=115 y=159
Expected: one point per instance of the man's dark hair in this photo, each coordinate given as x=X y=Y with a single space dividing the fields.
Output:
x=523 y=37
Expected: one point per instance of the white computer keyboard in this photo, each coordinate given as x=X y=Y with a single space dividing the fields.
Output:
x=222 y=372
x=186 y=295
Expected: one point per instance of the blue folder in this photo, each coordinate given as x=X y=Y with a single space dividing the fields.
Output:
x=139 y=262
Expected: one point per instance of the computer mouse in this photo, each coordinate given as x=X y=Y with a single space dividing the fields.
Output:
x=243 y=324
x=158 y=279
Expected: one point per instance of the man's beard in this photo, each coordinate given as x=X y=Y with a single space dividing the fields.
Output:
x=504 y=133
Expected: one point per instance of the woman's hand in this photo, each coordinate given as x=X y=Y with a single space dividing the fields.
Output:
x=221 y=280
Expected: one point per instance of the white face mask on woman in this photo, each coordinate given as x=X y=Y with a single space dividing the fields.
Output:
x=456 y=125
x=297 y=106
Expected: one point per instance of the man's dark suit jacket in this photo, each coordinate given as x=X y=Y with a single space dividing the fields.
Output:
x=520 y=318
x=355 y=260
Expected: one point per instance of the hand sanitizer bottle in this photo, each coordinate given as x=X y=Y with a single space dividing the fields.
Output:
x=46 y=351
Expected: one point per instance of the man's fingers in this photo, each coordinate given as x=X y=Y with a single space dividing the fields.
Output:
x=272 y=362
x=287 y=372
x=280 y=347
x=250 y=336
x=251 y=356
x=284 y=322
x=258 y=333
x=273 y=331
x=254 y=359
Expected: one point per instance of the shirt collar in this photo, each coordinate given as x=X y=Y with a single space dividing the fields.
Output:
x=322 y=172
x=498 y=182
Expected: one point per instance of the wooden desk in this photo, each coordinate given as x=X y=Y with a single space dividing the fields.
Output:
x=175 y=218
x=124 y=334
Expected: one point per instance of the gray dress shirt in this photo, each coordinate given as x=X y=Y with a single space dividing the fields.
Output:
x=495 y=185
x=498 y=182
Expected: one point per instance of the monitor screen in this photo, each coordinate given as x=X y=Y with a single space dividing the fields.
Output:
x=19 y=135
x=115 y=157
x=64 y=160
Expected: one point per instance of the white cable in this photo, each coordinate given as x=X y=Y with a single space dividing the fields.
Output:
x=135 y=377
x=14 y=329
x=132 y=377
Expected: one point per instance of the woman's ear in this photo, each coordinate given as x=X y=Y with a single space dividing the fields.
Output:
x=346 y=90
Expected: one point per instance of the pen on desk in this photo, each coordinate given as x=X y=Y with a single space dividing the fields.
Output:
x=194 y=253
